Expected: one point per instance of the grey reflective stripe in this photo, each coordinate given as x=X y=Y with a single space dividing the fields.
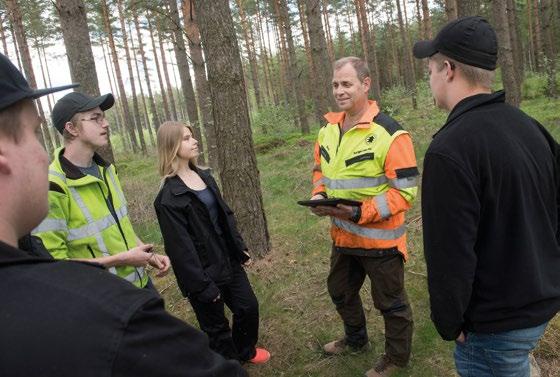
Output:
x=377 y=234
x=98 y=237
x=58 y=174
x=135 y=276
x=51 y=225
x=404 y=183
x=382 y=206
x=94 y=227
x=319 y=182
x=354 y=183
x=117 y=187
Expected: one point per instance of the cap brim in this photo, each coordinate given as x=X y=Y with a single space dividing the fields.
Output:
x=43 y=92
x=423 y=49
x=104 y=102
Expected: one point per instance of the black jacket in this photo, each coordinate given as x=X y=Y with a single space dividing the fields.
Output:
x=66 y=319
x=490 y=220
x=200 y=259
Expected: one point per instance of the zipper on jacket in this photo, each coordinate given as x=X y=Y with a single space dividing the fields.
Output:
x=110 y=199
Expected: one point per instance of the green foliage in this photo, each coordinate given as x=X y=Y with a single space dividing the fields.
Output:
x=534 y=85
x=273 y=120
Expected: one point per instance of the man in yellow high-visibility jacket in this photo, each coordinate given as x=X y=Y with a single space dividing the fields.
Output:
x=364 y=155
x=88 y=216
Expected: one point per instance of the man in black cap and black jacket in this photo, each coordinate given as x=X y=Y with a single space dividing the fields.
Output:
x=490 y=219
x=66 y=319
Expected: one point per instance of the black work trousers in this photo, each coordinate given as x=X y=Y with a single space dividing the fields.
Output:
x=237 y=342
x=346 y=277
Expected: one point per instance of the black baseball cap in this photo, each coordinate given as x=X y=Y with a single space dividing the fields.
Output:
x=14 y=87
x=76 y=102
x=469 y=40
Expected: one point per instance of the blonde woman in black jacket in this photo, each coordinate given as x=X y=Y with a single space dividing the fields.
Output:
x=205 y=247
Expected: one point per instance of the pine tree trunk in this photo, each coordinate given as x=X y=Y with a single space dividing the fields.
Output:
x=368 y=47
x=51 y=130
x=264 y=54
x=135 y=107
x=238 y=166
x=166 y=110
x=3 y=37
x=514 y=34
x=351 y=27
x=201 y=82
x=145 y=114
x=276 y=88
x=295 y=80
x=530 y=42
x=537 y=34
x=410 y=80
x=249 y=45
x=427 y=25
x=505 y=53
x=129 y=122
x=327 y=24
x=322 y=89
x=548 y=39
x=14 y=12
x=153 y=108
x=170 y=96
x=16 y=47
x=303 y=22
x=451 y=9
x=468 y=8
x=185 y=75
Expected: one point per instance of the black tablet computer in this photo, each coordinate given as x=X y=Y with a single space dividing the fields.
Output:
x=332 y=202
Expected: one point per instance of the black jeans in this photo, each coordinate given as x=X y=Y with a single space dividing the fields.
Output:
x=239 y=341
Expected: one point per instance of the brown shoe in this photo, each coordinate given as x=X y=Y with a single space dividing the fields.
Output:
x=384 y=368
x=339 y=347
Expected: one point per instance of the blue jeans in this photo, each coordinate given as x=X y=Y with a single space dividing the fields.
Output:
x=504 y=354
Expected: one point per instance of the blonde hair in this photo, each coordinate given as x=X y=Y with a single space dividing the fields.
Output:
x=169 y=138
x=473 y=75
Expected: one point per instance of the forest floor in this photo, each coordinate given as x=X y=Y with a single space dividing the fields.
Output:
x=297 y=315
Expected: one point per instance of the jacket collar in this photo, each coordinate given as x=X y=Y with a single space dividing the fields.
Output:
x=72 y=171
x=365 y=120
x=178 y=187
x=11 y=255
x=469 y=103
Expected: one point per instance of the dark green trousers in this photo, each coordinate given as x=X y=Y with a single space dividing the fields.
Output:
x=346 y=277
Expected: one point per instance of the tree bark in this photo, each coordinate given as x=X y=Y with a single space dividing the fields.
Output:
x=505 y=53
x=427 y=25
x=166 y=110
x=15 y=16
x=537 y=34
x=515 y=37
x=410 y=80
x=201 y=81
x=185 y=75
x=264 y=54
x=327 y=24
x=548 y=38
x=249 y=45
x=237 y=161
x=135 y=108
x=129 y=122
x=322 y=89
x=451 y=9
x=153 y=109
x=368 y=46
x=170 y=96
x=468 y=8
x=295 y=77
x=3 y=37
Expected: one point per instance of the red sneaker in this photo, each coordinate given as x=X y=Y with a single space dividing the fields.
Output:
x=261 y=357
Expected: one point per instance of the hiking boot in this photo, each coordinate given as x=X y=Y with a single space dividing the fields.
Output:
x=384 y=368
x=261 y=357
x=339 y=347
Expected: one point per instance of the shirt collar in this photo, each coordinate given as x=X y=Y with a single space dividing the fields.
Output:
x=365 y=120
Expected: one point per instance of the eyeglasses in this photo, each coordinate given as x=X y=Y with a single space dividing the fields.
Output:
x=97 y=118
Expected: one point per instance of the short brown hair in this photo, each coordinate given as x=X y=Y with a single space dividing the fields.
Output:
x=360 y=65
x=10 y=120
x=75 y=120
x=473 y=75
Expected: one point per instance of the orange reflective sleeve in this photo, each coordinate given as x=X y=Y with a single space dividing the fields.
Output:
x=402 y=173
x=318 y=186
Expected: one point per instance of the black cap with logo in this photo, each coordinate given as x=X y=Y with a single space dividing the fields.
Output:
x=14 y=87
x=469 y=40
x=75 y=102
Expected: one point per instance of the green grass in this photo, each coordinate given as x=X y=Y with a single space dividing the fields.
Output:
x=297 y=316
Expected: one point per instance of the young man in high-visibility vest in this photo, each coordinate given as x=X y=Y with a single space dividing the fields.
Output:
x=66 y=319
x=489 y=209
x=365 y=155
x=88 y=218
